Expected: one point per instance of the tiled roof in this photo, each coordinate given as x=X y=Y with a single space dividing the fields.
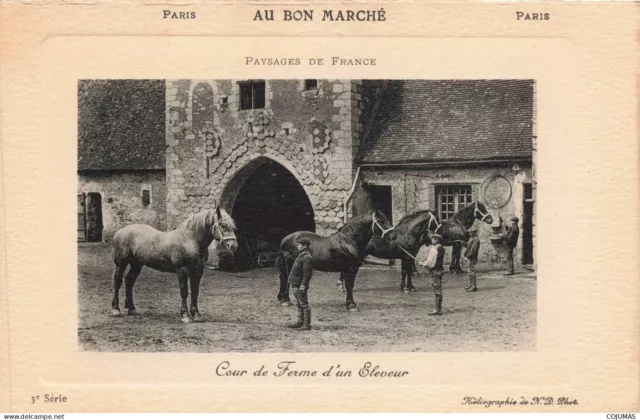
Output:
x=451 y=120
x=121 y=124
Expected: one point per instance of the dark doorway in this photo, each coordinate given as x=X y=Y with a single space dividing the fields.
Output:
x=270 y=205
x=381 y=199
x=527 y=225
x=94 y=217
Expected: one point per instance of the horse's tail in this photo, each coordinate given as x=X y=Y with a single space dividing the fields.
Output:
x=118 y=247
x=283 y=267
x=279 y=262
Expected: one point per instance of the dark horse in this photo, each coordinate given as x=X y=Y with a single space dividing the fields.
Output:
x=454 y=231
x=342 y=252
x=408 y=236
x=182 y=251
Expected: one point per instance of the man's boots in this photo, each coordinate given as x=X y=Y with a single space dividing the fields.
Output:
x=472 y=287
x=306 y=325
x=299 y=321
x=438 y=310
x=511 y=271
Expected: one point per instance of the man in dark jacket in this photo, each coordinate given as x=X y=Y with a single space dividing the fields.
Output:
x=511 y=238
x=435 y=264
x=299 y=279
x=471 y=254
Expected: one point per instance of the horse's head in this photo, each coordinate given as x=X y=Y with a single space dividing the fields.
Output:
x=415 y=228
x=481 y=213
x=222 y=228
x=380 y=224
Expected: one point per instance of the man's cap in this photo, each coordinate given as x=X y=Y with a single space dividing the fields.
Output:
x=515 y=219
x=304 y=241
x=436 y=236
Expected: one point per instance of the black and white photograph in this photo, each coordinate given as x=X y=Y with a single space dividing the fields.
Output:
x=309 y=215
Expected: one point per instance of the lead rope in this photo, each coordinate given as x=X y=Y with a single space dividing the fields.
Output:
x=412 y=257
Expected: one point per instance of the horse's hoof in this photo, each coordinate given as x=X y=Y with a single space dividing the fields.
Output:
x=131 y=312
x=406 y=291
x=285 y=304
x=353 y=309
x=186 y=319
x=115 y=312
x=198 y=318
x=413 y=289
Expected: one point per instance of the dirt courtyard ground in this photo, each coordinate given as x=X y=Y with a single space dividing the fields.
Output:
x=242 y=313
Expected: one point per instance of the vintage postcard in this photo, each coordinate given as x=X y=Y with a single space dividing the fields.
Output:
x=401 y=207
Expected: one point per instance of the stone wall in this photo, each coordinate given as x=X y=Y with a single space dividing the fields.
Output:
x=121 y=196
x=212 y=145
x=415 y=189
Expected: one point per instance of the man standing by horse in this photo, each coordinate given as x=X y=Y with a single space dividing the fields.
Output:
x=511 y=237
x=435 y=264
x=471 y=254
x=299 y=279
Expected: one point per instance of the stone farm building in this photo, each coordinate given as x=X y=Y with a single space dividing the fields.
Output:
x=121 y=156
x=287 y=155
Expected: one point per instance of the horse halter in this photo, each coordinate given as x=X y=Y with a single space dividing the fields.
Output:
x=477 y=211
x=432 y=219
x=222 y=236
x=376 y=223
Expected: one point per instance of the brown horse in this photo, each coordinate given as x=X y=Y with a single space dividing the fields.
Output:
x=454 y=231
x=342 y=252
x=408 y=236
x=182 y=251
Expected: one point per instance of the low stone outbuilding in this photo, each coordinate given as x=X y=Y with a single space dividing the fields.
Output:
x=121 y=156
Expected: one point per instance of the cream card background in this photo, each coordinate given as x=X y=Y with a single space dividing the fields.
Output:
x=584 y=62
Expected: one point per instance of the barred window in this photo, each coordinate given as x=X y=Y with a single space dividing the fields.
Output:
x=252 y=95
x=452 y=198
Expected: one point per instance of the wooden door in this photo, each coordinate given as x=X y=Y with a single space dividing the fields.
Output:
x=82 y=218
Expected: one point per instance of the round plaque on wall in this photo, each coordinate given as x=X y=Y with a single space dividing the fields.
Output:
x=496 y=191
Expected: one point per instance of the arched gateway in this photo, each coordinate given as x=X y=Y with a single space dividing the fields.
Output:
x=267 y=203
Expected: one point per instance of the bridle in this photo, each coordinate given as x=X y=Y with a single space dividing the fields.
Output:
x=432 y=219
x=224 y=238
x=477 y=211
x=376 y=223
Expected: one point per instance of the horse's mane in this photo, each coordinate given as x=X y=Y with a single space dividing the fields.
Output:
x=198 y=221
x=350 y=225
x=460 y=214
x=410 y=217
x=354 y=222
